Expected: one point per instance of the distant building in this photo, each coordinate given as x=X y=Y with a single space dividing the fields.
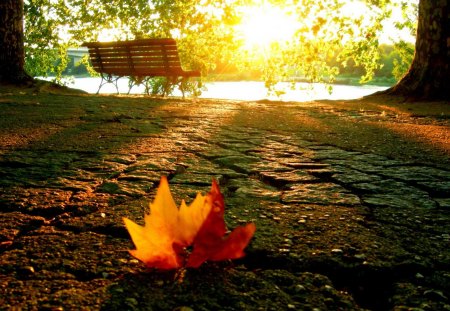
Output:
x=76 y=54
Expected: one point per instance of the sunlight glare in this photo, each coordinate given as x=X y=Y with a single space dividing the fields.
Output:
x=266 y=24
x=356 y=9
x=107 y=35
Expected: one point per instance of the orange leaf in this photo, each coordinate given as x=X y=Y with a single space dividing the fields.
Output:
x=162 y=241
x=167 y=228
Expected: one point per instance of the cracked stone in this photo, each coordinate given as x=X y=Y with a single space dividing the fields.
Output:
x=416 y=173
x=320 y=193
x=239 y=163
x=399 y=201
x=436 y=188
x=280 y=179
x=352 y=176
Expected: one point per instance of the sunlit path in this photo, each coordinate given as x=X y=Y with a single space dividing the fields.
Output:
x=334 y=190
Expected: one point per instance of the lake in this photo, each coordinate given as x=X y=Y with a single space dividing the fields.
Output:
x=246 y=90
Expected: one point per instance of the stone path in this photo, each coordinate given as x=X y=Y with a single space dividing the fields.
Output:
x=375 y=225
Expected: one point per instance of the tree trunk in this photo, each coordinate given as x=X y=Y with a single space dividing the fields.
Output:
x=11 y=42
x=428 y=76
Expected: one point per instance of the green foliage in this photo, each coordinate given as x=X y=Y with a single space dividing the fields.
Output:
x=156 y=85
x=405 y=52
x=326 y=41
x=40 y=39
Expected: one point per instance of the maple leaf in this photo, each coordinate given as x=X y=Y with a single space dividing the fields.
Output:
x=210 y=243
x=169 y=231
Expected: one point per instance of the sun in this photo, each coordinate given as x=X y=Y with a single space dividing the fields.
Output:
x=266 y=24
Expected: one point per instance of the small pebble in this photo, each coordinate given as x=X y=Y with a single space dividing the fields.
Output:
x=294 y=255
x=288 y=241
x=108 y=263
x=49 y=307
x=26 y=270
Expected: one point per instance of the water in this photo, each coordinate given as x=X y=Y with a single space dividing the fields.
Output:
x=247 y=90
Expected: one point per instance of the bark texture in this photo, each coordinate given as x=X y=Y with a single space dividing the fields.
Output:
x=11 y=42
x=428 y=76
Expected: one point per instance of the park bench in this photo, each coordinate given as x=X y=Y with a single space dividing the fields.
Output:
x=139 y=60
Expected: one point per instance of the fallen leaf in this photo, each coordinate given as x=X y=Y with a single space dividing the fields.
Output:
x=210 y=243
x=169 y=231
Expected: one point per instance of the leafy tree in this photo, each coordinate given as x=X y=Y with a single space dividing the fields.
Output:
x=71 y=22
x=428 y=76
x=46 y=52
x=208 y=33
x=205 y=33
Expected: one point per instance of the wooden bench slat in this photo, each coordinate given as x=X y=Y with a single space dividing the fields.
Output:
x=150 y=73
x=167 y=60
x=164 y=41
x=119 y=51
x=125 y=63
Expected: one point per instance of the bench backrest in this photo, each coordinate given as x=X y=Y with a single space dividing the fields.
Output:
x=142 y=57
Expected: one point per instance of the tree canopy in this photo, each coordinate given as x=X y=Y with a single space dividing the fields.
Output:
x=289 y=39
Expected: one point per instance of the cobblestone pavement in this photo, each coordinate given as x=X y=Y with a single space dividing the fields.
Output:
x=372 y=227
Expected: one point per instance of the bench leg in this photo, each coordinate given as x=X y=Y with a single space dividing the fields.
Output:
x=115 y=82
x=183 y=85
x=98 y=91
x=108 y=79
x=101 y=84
x=168 y=85
x=130 y=85
x=135 y=80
